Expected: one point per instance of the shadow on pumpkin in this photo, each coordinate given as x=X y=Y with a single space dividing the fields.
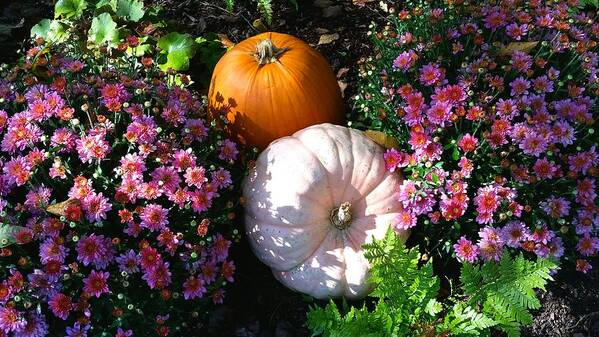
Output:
x=227 y=114
x=296 y=250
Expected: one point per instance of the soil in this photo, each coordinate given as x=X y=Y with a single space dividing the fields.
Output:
x=257 y=305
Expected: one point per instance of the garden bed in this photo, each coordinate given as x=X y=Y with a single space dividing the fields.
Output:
x=571 y=303
x=256 y=304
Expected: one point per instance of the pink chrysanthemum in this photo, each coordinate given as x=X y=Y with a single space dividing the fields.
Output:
x=195 y=176
x=465 y=250
x=154 y=217
x=95 y=206
x=405 y=220
x=193 y=288
x=95 y=283
x=60 y=305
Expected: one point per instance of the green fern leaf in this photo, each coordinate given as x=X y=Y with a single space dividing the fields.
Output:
x=265 y=7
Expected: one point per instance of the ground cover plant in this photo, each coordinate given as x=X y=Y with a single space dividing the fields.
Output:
x=469 y=268
x=117 y=206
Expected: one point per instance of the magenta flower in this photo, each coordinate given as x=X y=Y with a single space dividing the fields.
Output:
x=128 y=262
x=37 y=199
x=195 y=176
x=166 y=177
x=142 y=130
x=405 y=220
x=36 y=326
x=556 y=207
x=154 y=217
x=11 y=320
x=52 y=249
x=92 y=147
x=439 y=113
x=520 y=86
x=220 y=247
x=60 y=305
x=221 y=178
x=95 y=283
x=95 y=206
x=228 y=150
x=183 y=159
x=588 y=245
x=533 y=144
x=201 y=200
x=17 y=171
x=196 y=129
x=430 y=74
x=514 y=233
x=465 y=250
x=516 y=31
x=193 y=288
x=123 y=333
x=77 y=330
x=393 y=159
x=95 y=250
x=405 y=60
x=158 y=276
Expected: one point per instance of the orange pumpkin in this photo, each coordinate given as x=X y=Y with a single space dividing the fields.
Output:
x=272 y=85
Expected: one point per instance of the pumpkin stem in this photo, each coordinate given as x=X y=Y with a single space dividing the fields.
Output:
x=267 y=52
x=341 y=216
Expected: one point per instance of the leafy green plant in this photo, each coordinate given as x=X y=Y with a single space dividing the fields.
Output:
x=492 y=295
x=264 y=6
x=113 y=22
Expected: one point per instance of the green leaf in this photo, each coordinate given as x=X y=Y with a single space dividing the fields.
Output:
x=103 y=30
x=49 y=30
x=69 y=8
x=179 y=48
x=7 y=235
x=456 y=154
x=104 y=3
x=132 y=10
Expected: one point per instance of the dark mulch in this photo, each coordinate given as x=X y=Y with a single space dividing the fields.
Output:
x=570 y=306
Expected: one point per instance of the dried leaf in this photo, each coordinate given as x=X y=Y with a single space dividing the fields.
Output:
x=328 y=38
x=225 y=41
x=361 y=2
x=517 y=46
x=342 y=72
x=259 y=25
x=342 y=87
x=382 y=139
x=59 y=208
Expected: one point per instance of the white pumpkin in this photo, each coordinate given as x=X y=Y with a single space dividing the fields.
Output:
x=312 y=200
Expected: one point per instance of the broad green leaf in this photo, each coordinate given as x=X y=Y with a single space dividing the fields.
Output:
x=130 y=9
x=7 y=234
x=49 y=30
x=455 y=154
x=103 y=30
x=69 y=8
x=140 y=50
x=179 y=48
x=104 y=3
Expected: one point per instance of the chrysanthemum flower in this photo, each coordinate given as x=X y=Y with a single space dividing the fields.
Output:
x=465 y=250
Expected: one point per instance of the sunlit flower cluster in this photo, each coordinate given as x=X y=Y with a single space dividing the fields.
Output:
x=494 y=107
x=116 y=198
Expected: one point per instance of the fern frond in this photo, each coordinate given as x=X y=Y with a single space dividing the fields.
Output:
x=230 y=5
x=265 y=7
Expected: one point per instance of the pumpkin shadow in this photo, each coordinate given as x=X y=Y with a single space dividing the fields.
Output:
x=225 y=112
x=320 y=272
